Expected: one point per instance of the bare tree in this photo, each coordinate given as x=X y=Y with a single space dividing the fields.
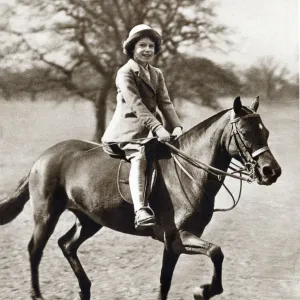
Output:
x=89 y=34
x=266 y=77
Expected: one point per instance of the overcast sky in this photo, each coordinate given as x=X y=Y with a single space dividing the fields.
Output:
x=264 y=27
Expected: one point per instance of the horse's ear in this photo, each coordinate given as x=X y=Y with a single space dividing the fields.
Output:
x=255 y=103
x=237 y=105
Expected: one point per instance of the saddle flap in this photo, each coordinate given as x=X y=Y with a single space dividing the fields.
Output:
x=155 y=150
x=123 y=179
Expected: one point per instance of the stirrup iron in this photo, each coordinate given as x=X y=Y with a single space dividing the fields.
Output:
x=147 y=222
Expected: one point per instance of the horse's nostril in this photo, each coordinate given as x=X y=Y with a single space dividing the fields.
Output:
x=267 y=171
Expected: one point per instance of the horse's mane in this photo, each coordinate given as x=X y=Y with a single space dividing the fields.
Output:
x=202 y=126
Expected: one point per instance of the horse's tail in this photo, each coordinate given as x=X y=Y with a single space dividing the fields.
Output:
x=13 y=205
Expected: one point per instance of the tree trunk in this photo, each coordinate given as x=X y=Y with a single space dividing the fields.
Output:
x=6 y=93
x=101 y=108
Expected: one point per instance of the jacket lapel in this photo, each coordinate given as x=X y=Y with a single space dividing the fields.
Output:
x=153 y=77
x=138 y=70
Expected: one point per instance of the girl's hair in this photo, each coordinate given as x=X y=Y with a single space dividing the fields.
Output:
x=130 y=48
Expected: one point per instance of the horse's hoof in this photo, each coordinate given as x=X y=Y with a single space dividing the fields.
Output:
x=80 y=296
x=199 y=293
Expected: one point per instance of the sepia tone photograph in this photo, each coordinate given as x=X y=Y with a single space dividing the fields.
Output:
x=149 y=150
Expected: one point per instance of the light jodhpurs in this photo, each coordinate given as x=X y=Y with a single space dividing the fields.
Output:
x=137 y=178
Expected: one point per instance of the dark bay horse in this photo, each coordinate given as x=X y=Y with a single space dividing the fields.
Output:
x=72 y=175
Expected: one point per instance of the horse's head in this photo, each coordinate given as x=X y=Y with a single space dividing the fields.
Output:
x=248 y=142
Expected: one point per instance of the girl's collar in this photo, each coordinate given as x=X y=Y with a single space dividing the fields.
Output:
x=136 y=66
x=147 y=66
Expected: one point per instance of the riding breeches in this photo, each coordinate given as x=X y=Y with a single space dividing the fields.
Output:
x=137 y=178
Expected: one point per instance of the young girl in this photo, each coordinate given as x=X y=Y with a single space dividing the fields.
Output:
x=141 y=89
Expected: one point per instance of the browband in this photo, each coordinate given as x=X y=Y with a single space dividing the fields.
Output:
x=234 y=120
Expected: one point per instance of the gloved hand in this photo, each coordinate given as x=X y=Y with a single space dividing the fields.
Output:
x=162 y=134
x=177 y=131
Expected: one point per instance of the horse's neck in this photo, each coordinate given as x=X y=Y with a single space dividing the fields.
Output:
x=204 y=142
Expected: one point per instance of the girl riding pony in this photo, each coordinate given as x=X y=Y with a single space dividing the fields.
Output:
x=141 y=89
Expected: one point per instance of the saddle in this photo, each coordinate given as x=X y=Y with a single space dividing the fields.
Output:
x=155 y=151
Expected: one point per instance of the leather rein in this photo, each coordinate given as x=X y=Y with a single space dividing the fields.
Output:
x=246 y=172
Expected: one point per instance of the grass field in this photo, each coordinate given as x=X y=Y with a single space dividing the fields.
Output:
x=260 y=238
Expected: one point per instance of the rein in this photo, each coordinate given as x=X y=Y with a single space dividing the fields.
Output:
x=201 y=165
x=214 y=171
x=249 y=164
x=235 y=202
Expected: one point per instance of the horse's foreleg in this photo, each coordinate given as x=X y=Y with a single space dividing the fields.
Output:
x=188 y=243
x=168 y=265
x=83 y=229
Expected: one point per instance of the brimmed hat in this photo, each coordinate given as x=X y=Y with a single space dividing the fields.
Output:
x=138 y=32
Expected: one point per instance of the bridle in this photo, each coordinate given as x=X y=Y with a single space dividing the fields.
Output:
x=247 y=158
x=249 y=164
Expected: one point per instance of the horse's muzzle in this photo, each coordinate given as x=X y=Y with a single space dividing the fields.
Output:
x=268 y=170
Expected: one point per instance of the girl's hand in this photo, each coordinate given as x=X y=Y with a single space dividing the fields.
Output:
x=177 y=131
x=162 y=134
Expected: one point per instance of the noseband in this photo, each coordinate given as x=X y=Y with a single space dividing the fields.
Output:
x=248 y=158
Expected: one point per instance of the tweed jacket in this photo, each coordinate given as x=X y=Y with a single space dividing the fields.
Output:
x=137 y=101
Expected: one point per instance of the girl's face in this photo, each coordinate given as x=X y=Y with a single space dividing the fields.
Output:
x=144 y=51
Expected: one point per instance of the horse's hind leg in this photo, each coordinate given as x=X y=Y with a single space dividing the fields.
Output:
x=45 y=218
x=83 y=229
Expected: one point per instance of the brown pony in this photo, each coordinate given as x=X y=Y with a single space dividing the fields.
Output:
x=73 y=175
